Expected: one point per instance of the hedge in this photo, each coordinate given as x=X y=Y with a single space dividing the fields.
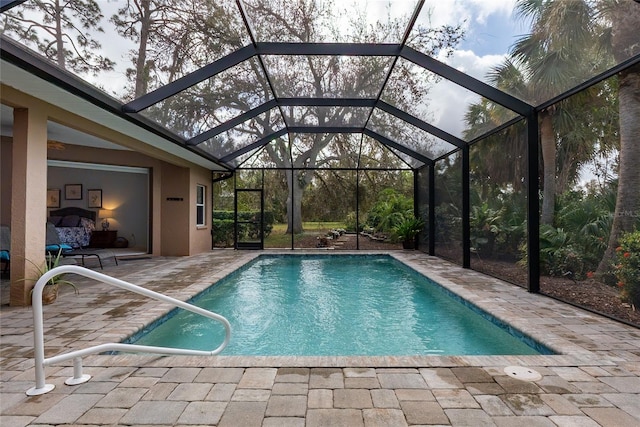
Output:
x=223 y=222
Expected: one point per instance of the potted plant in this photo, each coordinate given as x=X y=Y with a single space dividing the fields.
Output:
x=50 y=290
x=407 y=230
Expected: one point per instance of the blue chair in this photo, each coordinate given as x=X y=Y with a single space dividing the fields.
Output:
x=55 y=246
x=53 y=243
x=5 y=247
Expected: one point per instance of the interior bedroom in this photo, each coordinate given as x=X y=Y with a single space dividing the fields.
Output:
x=139 y=197
x=118 y=197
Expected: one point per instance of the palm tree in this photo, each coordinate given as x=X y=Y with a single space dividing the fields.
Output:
x=496 y=161
x=549 y=58
x=566 y=145
x=624 y=17
x=550 y=55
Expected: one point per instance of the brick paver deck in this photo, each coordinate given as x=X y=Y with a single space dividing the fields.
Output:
x=593 y=381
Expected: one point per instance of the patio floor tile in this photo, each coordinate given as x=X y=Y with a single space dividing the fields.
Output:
x=593 y=381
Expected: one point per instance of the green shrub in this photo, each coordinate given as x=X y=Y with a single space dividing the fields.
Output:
x=223 y=226
x=558 y=257
x=627 y=269
x=448 y=223
x=222 y=232
x=587 y=220
x=554 y=249
x=485 y=228
x=390 y=209
x=350 y=223
x=409 y=228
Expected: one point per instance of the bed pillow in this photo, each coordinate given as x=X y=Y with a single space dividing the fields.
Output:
x=88 y=224
x=54 y=220
x=69 y=221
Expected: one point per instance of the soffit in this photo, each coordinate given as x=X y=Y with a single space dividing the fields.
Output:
x=51 y=93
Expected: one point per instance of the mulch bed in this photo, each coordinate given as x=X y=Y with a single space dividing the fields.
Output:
x=346 y=242
x=588 y=293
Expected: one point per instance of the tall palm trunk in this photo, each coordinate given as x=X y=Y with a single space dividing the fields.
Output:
x=628 y=200
x=625 y=19
x=548 y=143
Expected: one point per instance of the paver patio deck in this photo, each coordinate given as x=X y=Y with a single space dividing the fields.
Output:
x=594 y=380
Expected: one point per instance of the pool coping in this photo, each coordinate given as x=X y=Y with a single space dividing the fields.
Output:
x=579 y=337
x=502 y=324
x=506 y=302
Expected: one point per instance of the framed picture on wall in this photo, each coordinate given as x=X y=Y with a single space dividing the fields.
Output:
x=95 y=198
x=73 y=191
x=53 y=198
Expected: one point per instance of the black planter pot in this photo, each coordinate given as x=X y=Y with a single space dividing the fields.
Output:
x=409 y=244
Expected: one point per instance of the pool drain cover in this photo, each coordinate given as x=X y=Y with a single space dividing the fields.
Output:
x=522 y=373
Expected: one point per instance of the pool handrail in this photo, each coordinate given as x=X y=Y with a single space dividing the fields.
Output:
x=78 y=377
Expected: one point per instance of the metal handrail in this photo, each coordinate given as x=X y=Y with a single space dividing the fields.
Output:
x=78 y=377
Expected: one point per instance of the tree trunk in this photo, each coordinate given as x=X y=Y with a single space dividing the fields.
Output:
x=141 y=61
x=294 y=210
x=59 y=41
x=627 y=209
x=624 y=41
x=548 y=142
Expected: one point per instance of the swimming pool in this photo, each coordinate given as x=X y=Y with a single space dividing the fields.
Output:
x=334 y=305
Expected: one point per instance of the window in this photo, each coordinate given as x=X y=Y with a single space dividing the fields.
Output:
x=200 y=197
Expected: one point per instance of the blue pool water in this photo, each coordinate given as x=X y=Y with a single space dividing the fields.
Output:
x=334 y=305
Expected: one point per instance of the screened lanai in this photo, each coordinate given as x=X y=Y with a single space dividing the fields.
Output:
x=499 y=125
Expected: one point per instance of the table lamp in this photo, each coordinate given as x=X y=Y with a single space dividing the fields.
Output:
x=105 y=214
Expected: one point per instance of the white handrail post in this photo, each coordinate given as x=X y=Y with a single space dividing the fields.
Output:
x=38 y=337
x=78 y=377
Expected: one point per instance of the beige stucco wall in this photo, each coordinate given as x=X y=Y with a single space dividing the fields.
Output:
x=200 y=237
x=5 y=179
x=28 y=199
x=179 y=234
x=175 y=202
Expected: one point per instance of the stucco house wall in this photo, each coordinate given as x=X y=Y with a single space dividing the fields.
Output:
x=172 y=194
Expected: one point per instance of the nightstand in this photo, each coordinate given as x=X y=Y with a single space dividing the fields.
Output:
x=103 y=238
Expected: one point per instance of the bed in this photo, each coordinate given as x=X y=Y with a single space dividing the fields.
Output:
x=73 y=228
x=73 y=225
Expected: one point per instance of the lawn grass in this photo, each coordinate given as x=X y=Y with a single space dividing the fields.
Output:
x=279 y=239
x=309 y=227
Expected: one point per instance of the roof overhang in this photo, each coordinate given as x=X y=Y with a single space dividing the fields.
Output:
x=33 y=76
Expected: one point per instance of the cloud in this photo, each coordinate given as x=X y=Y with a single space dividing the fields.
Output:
x=452 y=100
x=483 y=9
x=470 y=63
x=439 y=12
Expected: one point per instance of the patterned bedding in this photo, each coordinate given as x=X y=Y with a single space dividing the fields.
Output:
x=77 y=237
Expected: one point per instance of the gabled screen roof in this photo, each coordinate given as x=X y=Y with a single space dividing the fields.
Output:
x=338 y=82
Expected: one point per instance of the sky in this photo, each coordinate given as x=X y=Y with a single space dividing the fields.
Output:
x=490 y=30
